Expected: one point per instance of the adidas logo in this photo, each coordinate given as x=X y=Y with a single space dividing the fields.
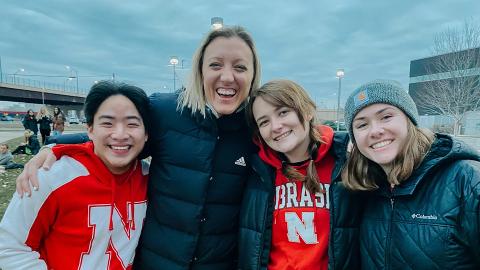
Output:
x=241 y=162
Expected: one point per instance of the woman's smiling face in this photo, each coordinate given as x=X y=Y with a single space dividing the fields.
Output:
x=282 y=130
x=228 y=71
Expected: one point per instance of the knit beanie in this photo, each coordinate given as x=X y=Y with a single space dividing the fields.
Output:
x=379 y=91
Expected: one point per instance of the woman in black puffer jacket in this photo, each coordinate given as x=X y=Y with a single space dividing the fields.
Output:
x=296 y=214
x=422 y=208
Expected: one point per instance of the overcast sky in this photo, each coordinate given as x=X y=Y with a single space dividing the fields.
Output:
x=305 y=41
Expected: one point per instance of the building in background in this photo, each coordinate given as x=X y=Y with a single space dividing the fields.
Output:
x=446 y=90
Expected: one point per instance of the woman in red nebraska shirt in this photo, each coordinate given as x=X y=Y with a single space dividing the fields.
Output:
x=292 y=216
x=90 y=211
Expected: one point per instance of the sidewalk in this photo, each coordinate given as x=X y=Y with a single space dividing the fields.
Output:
x=13 y=130
x=6 y=135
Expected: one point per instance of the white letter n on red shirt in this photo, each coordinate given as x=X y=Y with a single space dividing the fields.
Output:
x=123 y=239
x=301 y=227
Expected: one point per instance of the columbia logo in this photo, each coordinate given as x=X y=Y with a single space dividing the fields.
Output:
x=422 y=216
x=241 y=162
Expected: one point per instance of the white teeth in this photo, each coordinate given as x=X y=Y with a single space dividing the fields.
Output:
x=283 y=136
x=381 y=144
x=119 y=147
x=226 y=92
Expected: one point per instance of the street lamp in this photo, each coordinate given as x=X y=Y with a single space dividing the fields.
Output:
x=16 y=72
x=174 y=63
x=340 y=74
x=71 y=77
x=216 y=23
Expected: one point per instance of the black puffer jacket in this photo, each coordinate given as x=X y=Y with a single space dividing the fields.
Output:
x=45 y=122
x=257 y=212
x=432 y=220
x=197 y=176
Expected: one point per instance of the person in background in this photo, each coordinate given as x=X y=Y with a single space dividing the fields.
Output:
x=5 y=156
x=200 y=148
x=30 y=122
x=44 y=119
x=91 y=208
x=422 y=189
x=30 y=146
x=58 y=121
x=295 y=211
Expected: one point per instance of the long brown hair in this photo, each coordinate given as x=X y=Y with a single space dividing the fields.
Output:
x=360 y=173
x=286 y=93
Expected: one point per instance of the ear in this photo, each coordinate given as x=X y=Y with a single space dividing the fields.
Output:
x=90 y=132
x=309 y=118
x=146 y=137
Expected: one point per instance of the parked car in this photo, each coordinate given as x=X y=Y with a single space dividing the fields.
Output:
x=73 y=120
x=6 y=118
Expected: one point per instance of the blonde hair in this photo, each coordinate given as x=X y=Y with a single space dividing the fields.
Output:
x=360 y=173
x=193 y=97
x=286 y=93
x=27 y=134
x=43 y=112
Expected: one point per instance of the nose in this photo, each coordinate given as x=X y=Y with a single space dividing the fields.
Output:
x=227 y=75
x=119 y=132
x=276 y=125
x=376 y=129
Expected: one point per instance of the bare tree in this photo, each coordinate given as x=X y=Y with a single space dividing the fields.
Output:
x=453 y=88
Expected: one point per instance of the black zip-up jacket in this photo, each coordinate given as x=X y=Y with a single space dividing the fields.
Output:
x=197 y=176
x=30 y=122
x=45 y=122
x=430 y=221
x=257 y=212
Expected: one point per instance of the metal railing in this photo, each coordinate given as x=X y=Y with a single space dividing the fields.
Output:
x=21 y=81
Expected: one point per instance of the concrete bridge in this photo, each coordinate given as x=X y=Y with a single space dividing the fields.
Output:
x=36 y=93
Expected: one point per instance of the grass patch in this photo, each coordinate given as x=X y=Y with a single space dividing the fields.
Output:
x=7 y=179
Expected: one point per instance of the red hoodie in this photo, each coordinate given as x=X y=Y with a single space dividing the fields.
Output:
x=82 y=217
x=301 y=221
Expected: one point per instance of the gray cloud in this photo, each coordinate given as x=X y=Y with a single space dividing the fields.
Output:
x=301 y=40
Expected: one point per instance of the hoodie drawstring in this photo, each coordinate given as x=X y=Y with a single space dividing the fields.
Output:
x=132 y=202
x=112 y=205
x=130 y=217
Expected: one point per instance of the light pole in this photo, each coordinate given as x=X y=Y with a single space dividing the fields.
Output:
x=16 y=72
x=174 y=63
x=65 y=83
x=71 y=77
x=216 y=23
x=340 y=74
x=1 y=70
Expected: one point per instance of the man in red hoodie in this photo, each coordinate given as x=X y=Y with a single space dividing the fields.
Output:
x=90 y=213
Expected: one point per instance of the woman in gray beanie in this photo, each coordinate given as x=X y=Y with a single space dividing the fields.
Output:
x=422 y=209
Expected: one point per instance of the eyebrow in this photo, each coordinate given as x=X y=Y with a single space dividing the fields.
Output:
x=376 y=113
x=277 y=108
x=112 y=117
x=260 y=118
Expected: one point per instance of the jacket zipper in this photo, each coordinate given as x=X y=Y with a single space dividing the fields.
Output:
x=265 y=224
x=389 y=231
